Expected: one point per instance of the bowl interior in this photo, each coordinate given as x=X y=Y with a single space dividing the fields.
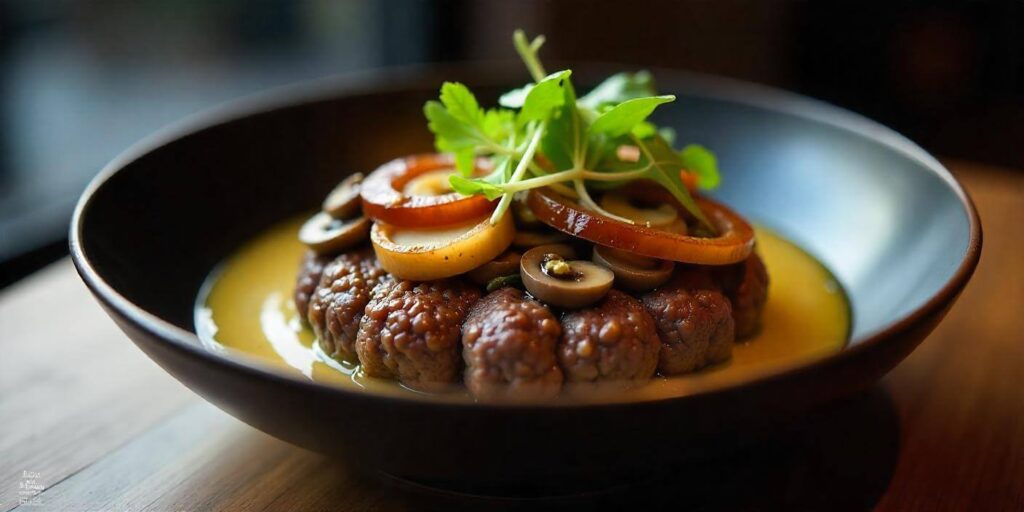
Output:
x=875 y=209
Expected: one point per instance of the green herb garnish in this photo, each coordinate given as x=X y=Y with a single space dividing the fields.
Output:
x=503 y=281
x=579 y=136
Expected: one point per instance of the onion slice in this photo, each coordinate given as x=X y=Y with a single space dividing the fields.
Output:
x=424 y=254
x=384 y=200
x=733 y=244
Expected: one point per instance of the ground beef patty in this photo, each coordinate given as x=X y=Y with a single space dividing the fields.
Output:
x=508 y=344
x=339 y=300
x=411 y=331
x=746 y=285
x=694 y=321
x=614 y=340
x=310 y=270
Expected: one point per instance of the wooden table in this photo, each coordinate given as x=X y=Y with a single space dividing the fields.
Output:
x=87 y=422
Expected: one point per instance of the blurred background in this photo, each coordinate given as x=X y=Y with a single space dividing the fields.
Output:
x=82 y=80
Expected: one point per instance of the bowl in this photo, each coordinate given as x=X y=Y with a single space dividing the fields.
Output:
x=891 y=223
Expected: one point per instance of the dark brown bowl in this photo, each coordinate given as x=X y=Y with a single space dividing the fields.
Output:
x=890 y=222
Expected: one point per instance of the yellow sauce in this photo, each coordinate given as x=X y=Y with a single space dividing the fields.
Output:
x=246 y=307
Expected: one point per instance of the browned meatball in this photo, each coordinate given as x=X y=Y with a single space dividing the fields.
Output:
x=746 y=285
x=694 y=321
x=411 y=331
x=614 y=340
x=310 y=270
x=340 y=298
x=509 y=348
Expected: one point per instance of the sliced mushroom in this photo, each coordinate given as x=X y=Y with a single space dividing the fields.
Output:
x=505 y=264
x=343 y=202
x=633 y=272
x=660 y=216
x=327 y=235
x=550 y=275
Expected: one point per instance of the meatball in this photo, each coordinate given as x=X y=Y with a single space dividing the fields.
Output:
x=694 y=321
x=340 y=298
x=411 y=331
x=509 y=348
x=746 y=285
x=310 y=270
x=614 y=340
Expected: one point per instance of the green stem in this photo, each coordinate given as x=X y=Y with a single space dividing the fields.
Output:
x=589 y=202
x=615 y=176
x=528 y=52
x=545 y=180
x=517 y=175
x=541 y=181
x=680 y=193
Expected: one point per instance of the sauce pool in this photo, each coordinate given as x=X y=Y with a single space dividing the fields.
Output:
x=246 y=308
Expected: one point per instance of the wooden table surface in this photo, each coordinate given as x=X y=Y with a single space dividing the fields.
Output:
x=87 y=422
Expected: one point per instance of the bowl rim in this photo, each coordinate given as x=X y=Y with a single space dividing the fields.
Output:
x=390 y=80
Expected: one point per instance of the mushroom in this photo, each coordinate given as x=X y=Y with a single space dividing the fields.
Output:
x=505 y=264
x=661 y=216
x=550 y=276
x=327 y=235
x=343 y=202
x=632 y=271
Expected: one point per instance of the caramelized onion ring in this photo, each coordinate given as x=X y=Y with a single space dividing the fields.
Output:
x=732 y=245
x=384 y=201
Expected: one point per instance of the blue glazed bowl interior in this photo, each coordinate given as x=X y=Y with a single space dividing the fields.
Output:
x=884 y=216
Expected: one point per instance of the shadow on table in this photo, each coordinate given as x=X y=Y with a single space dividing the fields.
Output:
x=839 y=457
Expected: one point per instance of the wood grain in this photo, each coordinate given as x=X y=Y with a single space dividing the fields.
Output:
x=72 y=388
x=107 y=430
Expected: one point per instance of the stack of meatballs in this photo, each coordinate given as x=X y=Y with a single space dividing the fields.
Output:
x=508 y=346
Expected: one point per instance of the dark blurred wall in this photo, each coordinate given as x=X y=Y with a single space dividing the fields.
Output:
x=82 y=80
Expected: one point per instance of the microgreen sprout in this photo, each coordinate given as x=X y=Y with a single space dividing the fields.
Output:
x=578 y=138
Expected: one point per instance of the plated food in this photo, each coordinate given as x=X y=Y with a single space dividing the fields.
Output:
x=896 y=228
x=555 y=245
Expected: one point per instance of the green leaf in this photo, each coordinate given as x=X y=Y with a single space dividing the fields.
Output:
x=461 y=104
x=544 y=97
x=618 y=88
x=465 y=161
x=669 y=134
x=499 y=123
x=503 y=281
x=451 y=133
x=702 y=162
x=644 y=129
x=664 y=166
x=565 y=133
x=621 y=118
x=515 y=97
x=472 y=186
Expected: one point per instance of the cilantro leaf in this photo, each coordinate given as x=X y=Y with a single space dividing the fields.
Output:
x=461 y=104
x=618 y=88
x=499 y=124
x=621 y=118
x=469 y=187
x=451 y=133
x=702 y=162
